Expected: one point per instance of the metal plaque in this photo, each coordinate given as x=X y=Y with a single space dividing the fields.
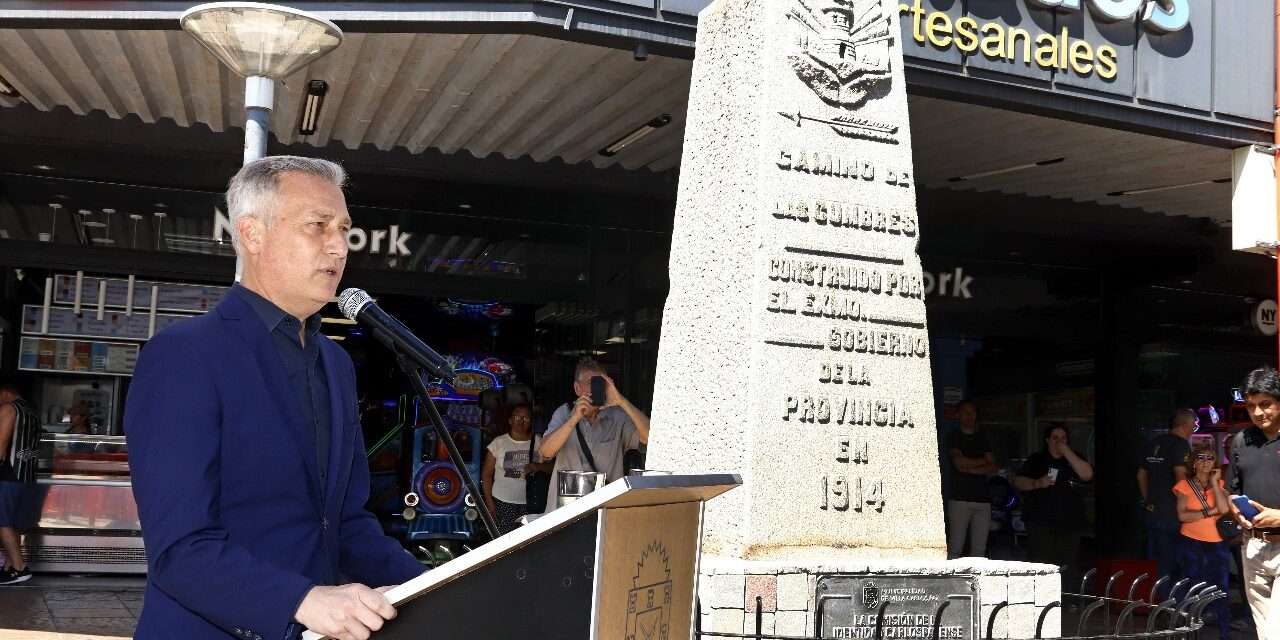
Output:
x=905 y=606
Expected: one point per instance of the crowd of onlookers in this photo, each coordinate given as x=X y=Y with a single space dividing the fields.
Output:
x=1200 y=520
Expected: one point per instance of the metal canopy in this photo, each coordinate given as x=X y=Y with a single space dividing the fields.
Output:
x=527 y=96
x=513 y=95
x=953 y=140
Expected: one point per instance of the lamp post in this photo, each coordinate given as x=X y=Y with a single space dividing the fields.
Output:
x=263 y=43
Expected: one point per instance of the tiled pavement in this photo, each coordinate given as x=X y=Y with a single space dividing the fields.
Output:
x=72 y=605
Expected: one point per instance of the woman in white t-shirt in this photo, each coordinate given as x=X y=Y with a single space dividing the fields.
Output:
x=506 y=462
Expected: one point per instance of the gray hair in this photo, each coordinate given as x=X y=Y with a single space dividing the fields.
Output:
x=251 y=192
x=586 y=365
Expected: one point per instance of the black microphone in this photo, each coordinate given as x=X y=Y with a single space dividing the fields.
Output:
x=358 y=306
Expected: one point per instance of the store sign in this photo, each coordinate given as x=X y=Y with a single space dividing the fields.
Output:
x=390 y=240
x=1001 y=42
x=1159 y=16
x=953 y=284
x=1264 y=317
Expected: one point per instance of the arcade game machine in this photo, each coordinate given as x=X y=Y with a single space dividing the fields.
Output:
x=1235 y=421
x=441 y=516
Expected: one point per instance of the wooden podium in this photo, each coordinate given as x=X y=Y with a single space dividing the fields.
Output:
x=618 y=564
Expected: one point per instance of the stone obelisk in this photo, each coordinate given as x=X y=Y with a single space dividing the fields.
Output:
x=794 y=346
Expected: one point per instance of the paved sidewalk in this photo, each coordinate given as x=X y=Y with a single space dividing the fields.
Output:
x=47 y=607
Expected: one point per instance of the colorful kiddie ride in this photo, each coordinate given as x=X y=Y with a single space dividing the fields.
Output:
x=440 y=513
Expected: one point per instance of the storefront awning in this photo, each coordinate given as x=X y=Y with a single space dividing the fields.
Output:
x=509 y=94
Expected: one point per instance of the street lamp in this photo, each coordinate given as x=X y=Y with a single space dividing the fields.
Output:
x=263 y=43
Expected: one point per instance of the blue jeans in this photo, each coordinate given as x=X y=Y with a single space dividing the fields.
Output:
x=1209 y=562
x=1163 y=547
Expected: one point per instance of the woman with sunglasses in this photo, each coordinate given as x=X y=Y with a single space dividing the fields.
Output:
x=1203 y=554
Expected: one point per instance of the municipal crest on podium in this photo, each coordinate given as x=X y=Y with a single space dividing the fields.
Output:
x=870 y=595
x=649 y=601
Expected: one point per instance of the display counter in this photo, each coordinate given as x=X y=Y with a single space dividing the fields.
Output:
x=88 y=520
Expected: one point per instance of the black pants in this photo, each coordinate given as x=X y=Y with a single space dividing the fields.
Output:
x=1059 y=545
x=508 y=515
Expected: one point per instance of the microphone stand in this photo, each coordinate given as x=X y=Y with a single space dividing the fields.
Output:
x=442 y=433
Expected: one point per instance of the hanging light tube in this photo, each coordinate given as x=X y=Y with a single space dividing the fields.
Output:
x=635 y=135
x=314 y=100
x=8 y=90
x=997 y=172
x=1171 y=187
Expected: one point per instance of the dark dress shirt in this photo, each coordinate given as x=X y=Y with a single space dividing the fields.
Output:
x=303 y=366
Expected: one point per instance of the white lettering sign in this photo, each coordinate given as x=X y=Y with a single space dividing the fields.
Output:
x=390 y=241
x=954 y=284
x=1160 y=16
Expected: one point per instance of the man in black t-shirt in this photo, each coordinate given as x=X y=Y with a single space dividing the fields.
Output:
x=1255 y=472
x=969 y=503
x=1164 y=465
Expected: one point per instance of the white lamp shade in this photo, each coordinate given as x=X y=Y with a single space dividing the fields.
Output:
x=257 y=39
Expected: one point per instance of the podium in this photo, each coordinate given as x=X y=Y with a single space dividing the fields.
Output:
x=618 y=564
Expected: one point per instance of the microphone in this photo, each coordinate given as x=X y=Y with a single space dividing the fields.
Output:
x=358 y=306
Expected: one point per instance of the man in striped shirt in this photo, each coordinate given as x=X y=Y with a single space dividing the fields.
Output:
x=19 y=438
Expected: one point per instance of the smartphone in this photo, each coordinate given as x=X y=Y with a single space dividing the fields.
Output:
x=1247 y=510
x=597 y=391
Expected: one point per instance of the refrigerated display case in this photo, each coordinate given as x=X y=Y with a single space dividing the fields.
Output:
x=88 y=521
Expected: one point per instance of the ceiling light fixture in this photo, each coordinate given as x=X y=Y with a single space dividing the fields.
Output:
x=1171 y=187
x=316 y=90
x=8 y=90
x=998 y=172
x=639 y=132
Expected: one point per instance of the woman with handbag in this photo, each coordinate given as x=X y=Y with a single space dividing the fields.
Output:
x=507 y=461
x=1202 y=508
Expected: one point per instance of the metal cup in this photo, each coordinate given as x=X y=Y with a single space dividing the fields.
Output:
x=575 y=484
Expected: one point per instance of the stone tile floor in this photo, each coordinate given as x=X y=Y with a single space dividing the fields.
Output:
x=97 y=606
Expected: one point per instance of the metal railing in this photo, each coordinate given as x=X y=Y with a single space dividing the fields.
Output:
x=1178 y=617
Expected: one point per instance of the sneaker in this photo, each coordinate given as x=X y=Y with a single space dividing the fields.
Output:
x=13 y=576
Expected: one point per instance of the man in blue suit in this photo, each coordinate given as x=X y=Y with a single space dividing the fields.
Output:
x=245 y=445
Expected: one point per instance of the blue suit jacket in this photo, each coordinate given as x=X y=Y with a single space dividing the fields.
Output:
x=237 y=528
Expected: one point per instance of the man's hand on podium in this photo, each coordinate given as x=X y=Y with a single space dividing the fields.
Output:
x=348 y=612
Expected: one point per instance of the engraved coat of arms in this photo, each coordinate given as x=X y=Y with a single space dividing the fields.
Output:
x=840 y=50
x=649 y=601
x=870 y=595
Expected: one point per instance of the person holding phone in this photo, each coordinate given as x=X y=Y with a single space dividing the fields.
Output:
x=1203 y=555
x=1254 y=484
x=1052 y=507
x=595 y=432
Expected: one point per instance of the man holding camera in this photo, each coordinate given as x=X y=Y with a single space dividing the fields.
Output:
x=592 y=434
x=1254 y=485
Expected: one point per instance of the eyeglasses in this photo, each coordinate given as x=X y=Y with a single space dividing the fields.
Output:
x=1204 y=457
x=519 y=418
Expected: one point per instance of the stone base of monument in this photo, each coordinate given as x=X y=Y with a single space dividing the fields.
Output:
x=966 y=599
